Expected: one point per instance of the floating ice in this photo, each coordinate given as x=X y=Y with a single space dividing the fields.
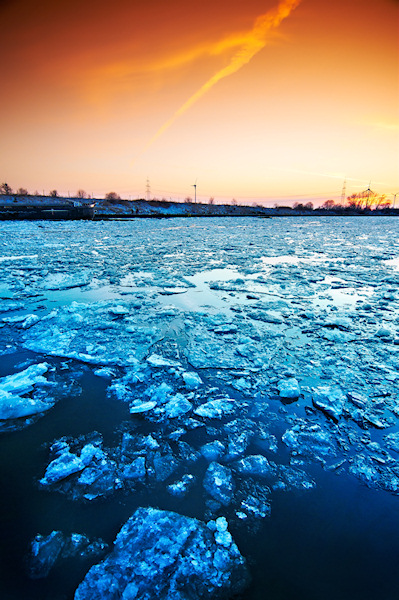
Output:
x=213 y=450
x=87 y=473
x=165 y=556
x=181 y=488
x=68 y=463
x=309 y=440
x=65 y=281
x=255 y=465
x=141 y=407
x=177 y=406
x=135 y=470
x=219 y=484
x=159 y=361
x=329 y=400
x=191 y=379
x=48 y=550
x=216 y=409
x=289 y=388
x=24 y=381
x=14 y=402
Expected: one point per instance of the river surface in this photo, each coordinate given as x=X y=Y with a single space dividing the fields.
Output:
x=126 y=332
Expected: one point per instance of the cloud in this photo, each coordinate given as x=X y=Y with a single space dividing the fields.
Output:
x=249 y=44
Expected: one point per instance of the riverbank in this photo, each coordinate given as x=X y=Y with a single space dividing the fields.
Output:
x=18 y=207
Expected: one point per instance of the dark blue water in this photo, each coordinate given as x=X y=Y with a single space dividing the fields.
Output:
x=339 y=540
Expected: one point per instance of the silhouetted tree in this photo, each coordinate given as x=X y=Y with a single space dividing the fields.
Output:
x=328 y=204
x=5 y=189
x=188 y=200
x=112 y=196
x=81 y=194
x=381 y=202
x=54 y=194
x=365 y=200
x=211 y=200
x=22 y=191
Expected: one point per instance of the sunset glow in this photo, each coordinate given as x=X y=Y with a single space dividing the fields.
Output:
x=262 y=101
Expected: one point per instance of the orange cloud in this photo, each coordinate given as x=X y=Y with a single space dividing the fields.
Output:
x=250 y=44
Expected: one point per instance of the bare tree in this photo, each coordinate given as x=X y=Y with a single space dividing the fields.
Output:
x=328 y=204
x=211 y=200
x=54 y=194
x=81 y=194
x=112 y=196
x=5 y=189
x=188 y=200
x=22 y=191
x=365 y=200
x=381 y=202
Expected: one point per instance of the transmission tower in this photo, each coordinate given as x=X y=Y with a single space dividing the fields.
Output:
x=343 y=193
x=148 y=190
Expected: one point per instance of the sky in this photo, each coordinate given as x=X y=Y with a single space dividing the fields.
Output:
x=263 y=101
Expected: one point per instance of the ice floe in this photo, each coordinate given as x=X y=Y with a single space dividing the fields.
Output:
x=160 y=554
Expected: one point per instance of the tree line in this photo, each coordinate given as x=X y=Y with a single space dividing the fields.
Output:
x=364 y=201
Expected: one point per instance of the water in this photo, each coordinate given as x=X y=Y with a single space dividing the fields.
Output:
x=180 y=284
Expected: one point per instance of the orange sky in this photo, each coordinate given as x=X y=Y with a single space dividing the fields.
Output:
x=258 y=100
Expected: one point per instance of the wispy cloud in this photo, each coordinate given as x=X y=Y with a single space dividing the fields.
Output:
x=249 y=44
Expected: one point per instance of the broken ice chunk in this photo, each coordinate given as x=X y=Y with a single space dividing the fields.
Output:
x=65 y=281
x=213 y=450
x=309 y=440
x=177 y=406
x=392 y=441
x=289 y=388
x=256 y=465
x=62 y=467
x=181 y=488
x=135 y=470
x=67 y=463
x=164 y=466
x=44 y=552
x=192 y=379
x=216 y=409
x=141 y=407
x=24 y=381
x=155 y=360
x=16 y=407
x=335 y=321
x=329 y=400
x=219 y=484
x=118 y=310
x=222 y=535
x=162 y=555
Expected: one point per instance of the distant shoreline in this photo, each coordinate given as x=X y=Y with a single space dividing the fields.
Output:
x=33 y=208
